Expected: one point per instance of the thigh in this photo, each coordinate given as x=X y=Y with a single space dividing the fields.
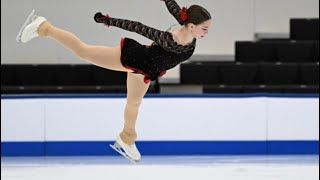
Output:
x=106 y=57
x=136 y=88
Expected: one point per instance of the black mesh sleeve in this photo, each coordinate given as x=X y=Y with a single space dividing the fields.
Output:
x=174 y=9
x=161 y=38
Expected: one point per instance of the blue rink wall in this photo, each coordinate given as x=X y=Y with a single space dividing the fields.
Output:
x=208 y=124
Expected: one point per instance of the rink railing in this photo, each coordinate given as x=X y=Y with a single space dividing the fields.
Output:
x=170 y=124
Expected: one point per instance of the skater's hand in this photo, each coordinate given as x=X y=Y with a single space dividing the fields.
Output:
x=100 y=18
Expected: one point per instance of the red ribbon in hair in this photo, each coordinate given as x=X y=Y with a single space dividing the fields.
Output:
x=184 y=15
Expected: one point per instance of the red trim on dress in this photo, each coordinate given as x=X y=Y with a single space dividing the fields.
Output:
x=146 y=76
x=163 y=73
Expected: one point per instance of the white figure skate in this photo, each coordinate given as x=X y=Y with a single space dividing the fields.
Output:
x=128 y=151
x=28 y=30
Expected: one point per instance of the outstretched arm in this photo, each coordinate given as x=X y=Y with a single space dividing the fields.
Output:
x=162 y=38
x=174 y=9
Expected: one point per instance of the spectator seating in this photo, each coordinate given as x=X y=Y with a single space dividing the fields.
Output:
x=20 y=79
x=252 y=77
x=277 y=51
x=274 y=65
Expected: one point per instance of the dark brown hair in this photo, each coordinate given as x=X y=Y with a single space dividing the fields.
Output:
x=197 y=15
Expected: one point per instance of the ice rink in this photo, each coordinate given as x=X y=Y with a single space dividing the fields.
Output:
x=162 y=168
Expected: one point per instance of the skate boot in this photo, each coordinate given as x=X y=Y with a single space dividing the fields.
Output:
x=29 y=29
x=128 y=151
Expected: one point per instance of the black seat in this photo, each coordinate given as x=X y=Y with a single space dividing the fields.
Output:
x=238 y=73
x=9 y=76
x=21 y=79
x=73 y=75
x=279 y=73
x=304 y=29
x=247 y=51
x=309 y=73
x=36 y=75
x=294 y=51
x=199 y=73
x=102 y=76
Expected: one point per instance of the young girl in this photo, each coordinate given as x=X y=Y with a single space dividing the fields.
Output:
x=143 y=63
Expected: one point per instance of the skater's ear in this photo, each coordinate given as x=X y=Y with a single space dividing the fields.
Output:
x=191 y=26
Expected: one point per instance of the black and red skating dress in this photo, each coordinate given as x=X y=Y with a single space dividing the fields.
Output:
x=151 y=61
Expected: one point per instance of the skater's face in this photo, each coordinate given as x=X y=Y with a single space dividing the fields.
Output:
x=201 y=30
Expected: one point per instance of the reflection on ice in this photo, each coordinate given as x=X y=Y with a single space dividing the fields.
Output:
x=162 y=168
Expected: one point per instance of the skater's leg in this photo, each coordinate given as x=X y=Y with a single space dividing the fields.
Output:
x=106 y=57
x=136 y=89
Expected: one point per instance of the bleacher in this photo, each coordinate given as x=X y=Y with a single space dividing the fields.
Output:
x=268 y=65
x=26 y=79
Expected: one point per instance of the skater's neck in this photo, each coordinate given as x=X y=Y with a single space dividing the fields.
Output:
x=182 y=36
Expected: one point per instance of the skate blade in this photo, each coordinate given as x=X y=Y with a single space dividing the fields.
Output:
x=124 y=154
x=18 y=38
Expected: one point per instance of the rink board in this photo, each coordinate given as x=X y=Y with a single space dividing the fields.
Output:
x=206 y=124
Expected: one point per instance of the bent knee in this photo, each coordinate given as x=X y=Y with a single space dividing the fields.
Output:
x=134 y=103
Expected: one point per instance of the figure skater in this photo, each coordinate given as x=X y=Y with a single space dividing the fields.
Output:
x=142 y=63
